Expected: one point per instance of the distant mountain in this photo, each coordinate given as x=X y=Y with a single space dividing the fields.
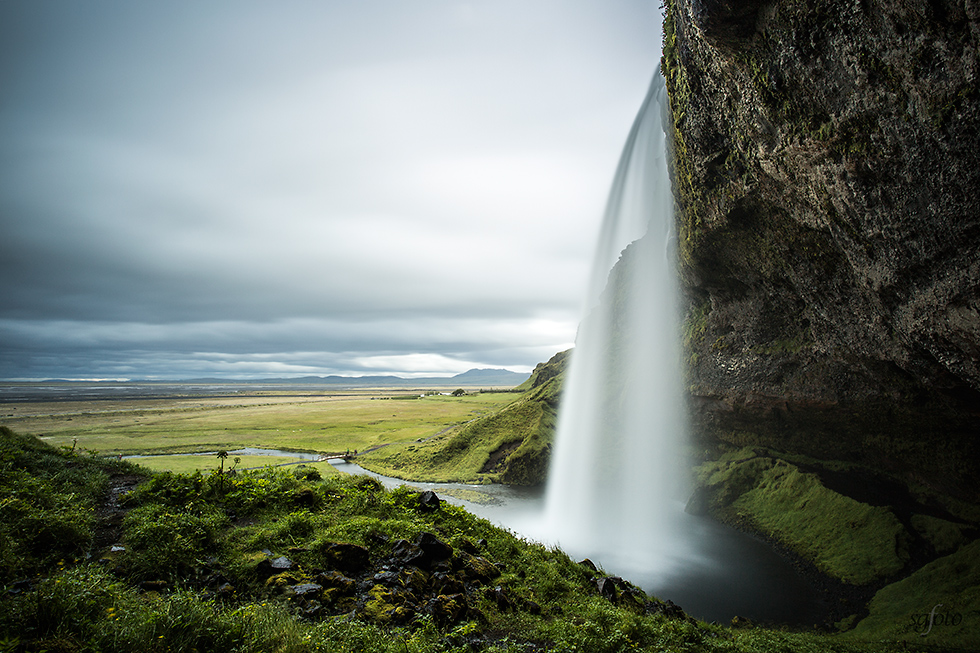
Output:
x=482 y=378
x=485 y=378
x=490 y=376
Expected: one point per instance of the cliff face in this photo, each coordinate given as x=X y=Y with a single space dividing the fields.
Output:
x=827 y=175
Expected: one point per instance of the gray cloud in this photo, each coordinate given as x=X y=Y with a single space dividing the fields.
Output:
x=241 y=188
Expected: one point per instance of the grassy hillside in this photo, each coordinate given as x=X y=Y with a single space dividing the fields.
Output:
x=286 y=561
x=511 y=445
x=890 y=553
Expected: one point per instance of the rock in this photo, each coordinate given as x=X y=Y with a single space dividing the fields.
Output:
x=588 y=564
x=499 y=596
x=475 y=568
x=154 y=585
x=447 y=583
x=271 y=566
x=282 y=581
x=446 y=610
x=428 y=501
x=667 y=608
x=697 y=504
x=828 y=221
x=433 y=547
x=345 y=557
x=386 y=578
x=337 y=581
x=304 y=590
x=607 y=587
x=225 y=589
x=467 y=545
x=426 y=552
x=414 y=580
x=313 y=611
x=385 y=605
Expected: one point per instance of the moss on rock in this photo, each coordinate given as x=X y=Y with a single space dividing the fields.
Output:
x=844 y=538
x=951 y=585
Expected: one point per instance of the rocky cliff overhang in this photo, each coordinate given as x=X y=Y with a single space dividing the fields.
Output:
x=827 y=174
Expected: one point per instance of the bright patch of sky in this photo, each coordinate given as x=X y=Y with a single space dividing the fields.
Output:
x=247 y=189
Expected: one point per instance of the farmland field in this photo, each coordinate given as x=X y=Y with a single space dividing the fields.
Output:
x=313 y=421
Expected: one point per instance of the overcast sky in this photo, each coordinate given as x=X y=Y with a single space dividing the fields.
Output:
x=247 y=189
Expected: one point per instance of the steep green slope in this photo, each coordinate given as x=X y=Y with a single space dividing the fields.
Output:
x=512 y=445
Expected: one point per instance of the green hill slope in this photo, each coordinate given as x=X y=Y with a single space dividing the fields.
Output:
x=512 y=445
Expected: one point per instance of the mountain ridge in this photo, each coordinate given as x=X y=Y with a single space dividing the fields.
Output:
x=475 y=376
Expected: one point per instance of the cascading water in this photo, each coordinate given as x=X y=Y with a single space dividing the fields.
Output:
x=616 y=485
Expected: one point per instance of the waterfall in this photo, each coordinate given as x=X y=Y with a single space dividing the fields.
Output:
x=616 y=485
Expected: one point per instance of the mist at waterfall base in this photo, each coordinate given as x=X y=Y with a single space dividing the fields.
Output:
x=618 y=481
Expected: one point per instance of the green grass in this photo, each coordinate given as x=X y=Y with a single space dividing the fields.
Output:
x=522 y=428
x=849 y=540
x=184 y=464
x=191 y=529
x=47 y=503
x=901 y=610
x=311 y=423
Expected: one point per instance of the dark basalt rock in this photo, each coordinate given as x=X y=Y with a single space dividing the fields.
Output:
x=447 y=609
x=305 y=590
x=726 y=21
x=607 y=588
x=428 y=501
x=475 y=568
x=825 y=168
x=345 y=557
x=421 y=578
x=271 y=566
x=426 y=552
x=337 y=581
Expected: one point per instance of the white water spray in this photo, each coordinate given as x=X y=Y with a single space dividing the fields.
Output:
x=616 y=485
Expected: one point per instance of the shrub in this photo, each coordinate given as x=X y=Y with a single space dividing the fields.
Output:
x=163 y=542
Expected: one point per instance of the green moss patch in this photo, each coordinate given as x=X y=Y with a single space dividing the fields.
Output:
x=944 y=536
x=950 y=585
x=844 y=538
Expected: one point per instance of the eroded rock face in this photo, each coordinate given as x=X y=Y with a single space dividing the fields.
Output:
x=826 y=168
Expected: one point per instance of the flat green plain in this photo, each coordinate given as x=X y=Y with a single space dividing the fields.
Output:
x=184 y=464
x=327 y=422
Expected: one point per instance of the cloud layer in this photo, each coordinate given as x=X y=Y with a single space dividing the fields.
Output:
x=247 y=189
